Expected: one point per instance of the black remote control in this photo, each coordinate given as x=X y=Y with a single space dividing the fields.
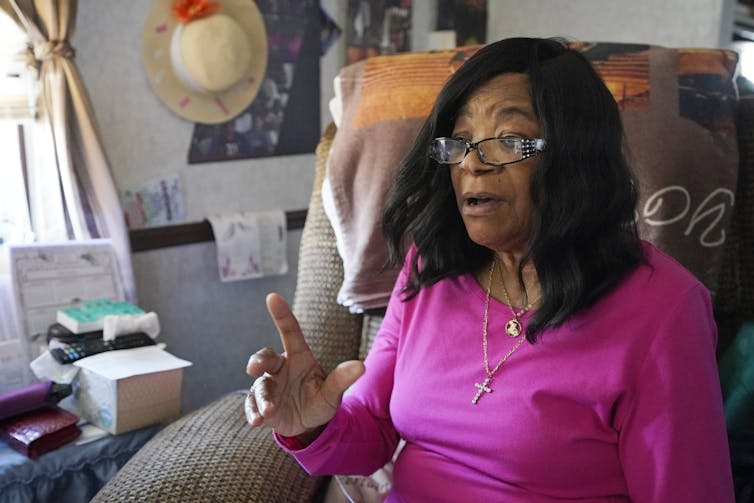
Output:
x=62 y=334
x=78 y=350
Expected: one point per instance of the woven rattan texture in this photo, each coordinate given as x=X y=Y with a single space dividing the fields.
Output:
x=745 y=211
x=734 y=299
x=736 y=287
x=331 y=330
x=211 y=455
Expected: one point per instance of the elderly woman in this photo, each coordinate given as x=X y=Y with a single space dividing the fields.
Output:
x=534 y=348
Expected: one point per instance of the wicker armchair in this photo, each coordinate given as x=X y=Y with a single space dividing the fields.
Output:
x=212 y=454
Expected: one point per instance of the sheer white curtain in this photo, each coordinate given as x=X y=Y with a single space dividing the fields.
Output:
x=17 y=93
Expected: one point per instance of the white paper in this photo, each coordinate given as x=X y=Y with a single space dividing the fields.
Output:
x=46 y=368
x=441 y=39
x=48 y=277
x=250 y=244
x=129 y=362
x=90 y=433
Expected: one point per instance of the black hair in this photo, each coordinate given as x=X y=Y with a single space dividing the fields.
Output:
x=584 y=237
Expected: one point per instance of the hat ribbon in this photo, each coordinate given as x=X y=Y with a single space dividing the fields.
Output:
x=187 y=10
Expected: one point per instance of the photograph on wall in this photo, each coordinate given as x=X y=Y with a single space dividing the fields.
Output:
x=468 y=18
x=280 y=120
x=377 y=27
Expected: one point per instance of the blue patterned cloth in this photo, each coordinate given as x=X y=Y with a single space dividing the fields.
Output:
x=72 y=473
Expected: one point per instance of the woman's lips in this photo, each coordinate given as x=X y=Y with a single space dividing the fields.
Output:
x=480 y=204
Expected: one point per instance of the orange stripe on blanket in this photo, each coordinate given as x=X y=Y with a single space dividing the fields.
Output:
x=700 y=61
x=626 y=75
x=405 y=86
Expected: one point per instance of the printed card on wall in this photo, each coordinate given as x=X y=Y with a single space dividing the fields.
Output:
x=156 y=202
x=250 y=244
x=281 y=120
x=376 y=28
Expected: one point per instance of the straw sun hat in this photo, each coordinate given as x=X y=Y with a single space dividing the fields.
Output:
x=205 y=59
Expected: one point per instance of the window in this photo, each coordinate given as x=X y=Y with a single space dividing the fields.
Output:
x=17 y=93
x=15 y=225
x=16 y=108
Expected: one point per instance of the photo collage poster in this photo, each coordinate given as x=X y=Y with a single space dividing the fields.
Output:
x=280 y=120
x=377 y=27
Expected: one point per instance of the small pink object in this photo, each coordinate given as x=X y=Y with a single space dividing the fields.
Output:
x=161 y=27
x=185 y=101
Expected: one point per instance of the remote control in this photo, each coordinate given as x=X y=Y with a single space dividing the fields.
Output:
x=62 y=334
x=78 y=350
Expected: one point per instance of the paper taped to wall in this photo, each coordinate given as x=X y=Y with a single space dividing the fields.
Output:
x=47 y=277
x=250 y=244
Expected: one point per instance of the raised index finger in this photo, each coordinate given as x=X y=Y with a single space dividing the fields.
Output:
x=287 y=325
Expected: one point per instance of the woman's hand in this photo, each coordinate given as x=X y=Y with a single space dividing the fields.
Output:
x=293 y=396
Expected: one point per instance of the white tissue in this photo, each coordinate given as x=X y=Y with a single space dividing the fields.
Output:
x=114 y=326
x=46 y=368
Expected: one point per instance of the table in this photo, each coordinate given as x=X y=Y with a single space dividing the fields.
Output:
x=72 y=473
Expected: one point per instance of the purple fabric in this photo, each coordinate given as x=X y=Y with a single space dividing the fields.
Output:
x=25 y=399
x=620 y=403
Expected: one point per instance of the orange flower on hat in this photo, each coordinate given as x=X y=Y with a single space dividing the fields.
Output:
x=186 y=10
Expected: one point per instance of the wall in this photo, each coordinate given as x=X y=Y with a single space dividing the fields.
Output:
x=673 y=23
x=215 y=325
x=218 y=325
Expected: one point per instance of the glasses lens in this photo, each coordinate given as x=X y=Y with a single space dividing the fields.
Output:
x=500 y=150
x=447 y=150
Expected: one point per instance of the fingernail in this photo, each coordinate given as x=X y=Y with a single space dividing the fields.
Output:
x=247 y=410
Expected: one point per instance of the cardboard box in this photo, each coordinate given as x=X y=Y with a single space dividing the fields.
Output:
x=123 y=390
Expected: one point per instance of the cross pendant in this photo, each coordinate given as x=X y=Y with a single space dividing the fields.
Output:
x=483 y=388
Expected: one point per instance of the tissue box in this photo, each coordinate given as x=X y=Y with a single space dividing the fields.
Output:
x=123 y=390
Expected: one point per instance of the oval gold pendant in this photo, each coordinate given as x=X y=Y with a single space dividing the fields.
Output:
x=513 y=328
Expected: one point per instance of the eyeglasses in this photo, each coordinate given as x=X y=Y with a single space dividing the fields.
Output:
x=493 y=151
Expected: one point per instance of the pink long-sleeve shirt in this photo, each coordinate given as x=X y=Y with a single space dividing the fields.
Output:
x=620 y=403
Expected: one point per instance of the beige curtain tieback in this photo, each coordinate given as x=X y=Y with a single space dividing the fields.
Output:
x=49 y=49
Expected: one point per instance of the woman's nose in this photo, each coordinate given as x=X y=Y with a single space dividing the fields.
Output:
x=473 y=163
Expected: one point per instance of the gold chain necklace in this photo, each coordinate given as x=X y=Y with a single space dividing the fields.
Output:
x=513 y=328
x=485 y=386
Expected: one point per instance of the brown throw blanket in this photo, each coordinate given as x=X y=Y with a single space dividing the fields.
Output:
x=678 y=108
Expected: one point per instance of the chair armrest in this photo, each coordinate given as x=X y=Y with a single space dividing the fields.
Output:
x=211 y=454
x=331 y=331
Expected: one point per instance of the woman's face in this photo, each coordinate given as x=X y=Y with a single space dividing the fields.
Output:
x=495 y=201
